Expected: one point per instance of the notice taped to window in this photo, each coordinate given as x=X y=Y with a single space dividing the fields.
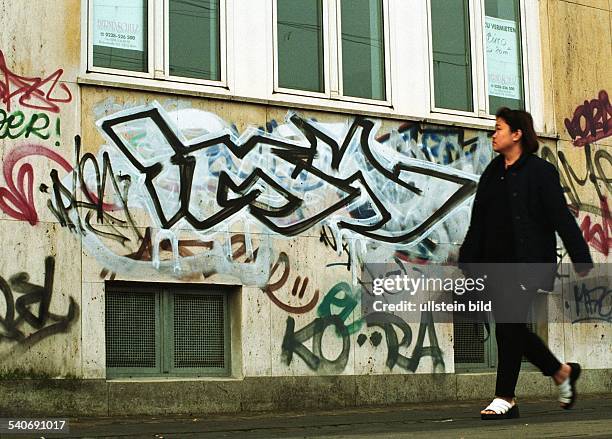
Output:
x=503 y=69
x=119 y=24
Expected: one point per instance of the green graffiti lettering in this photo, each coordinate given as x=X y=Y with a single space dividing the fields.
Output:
x=15 y=125
x=340 y=296
x=31 y=127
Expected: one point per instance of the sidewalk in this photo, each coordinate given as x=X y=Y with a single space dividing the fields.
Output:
x=592 y=417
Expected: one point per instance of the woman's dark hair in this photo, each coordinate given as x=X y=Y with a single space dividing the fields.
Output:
x=520 y=120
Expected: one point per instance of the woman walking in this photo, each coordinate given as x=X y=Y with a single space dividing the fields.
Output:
x=519 y=205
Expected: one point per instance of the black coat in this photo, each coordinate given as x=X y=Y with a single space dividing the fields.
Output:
x=538 y=209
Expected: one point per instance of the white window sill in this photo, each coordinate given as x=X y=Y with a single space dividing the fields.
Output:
x=289 y=100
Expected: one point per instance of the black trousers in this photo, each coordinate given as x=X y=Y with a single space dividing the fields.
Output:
x=511 y=293
x=511 y=302
x=513 y=341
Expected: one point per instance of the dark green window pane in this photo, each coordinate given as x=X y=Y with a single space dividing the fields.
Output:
x=363 y=49
x=452 y=65
x=504 y=54
x=300 y=44
x=194 y=39
x=120 y=34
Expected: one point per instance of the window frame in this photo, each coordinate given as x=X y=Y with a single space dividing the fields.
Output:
x=387 y=58
x=158 y=42
x=480 y=85
x=326 y=50
x=408 y=77
x=150 y=35
x=222 y=48
x=169 y=294
x=332 y=57
x=490 y=359
x=164 y=294
x=475 y=70
x=132 y=371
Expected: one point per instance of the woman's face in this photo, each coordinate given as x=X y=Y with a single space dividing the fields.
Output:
x=503 y=138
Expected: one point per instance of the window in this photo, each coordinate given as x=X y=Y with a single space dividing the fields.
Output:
x=470 y=347
x=166 y=331
x=187 y=42
x=194 y=49
x=300 y=44
x=503 y=54
x=477 y=60
x=474 y=347
x=452 y=61
x=441 y=60
x=120 y=34
x=353 y=65
x=362 y=49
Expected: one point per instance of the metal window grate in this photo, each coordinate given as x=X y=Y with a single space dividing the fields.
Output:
x=130 y=330
x=468 y=337
x=199 y=330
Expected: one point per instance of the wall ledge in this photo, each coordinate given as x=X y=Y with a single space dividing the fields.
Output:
x=98 y=397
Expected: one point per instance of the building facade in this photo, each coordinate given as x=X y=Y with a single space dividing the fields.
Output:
x=192 y=189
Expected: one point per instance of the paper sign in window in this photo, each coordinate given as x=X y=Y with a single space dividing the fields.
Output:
x=503 y=70
x=119 y=24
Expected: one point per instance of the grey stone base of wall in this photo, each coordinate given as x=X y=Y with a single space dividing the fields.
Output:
x=72 y=398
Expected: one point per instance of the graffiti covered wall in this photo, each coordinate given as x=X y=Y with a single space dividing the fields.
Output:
x=103 y=184
x=288 y=205
x=578 y=36
x=39 y=279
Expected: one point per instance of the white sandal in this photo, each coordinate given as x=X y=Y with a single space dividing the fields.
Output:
x=567 y=389
x=502 y=408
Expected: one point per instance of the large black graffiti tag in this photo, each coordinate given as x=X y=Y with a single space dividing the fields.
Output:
x=387 y=322
x=20 y=312
x=66 y=199
x=592 y=304
x=250 y=191
x=293 y=342
x=594 y=174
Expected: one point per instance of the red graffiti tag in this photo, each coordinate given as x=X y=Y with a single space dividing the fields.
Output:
x=18 y=200
x=596 y=116
x=598 y=235
x=21 y=195
x=35 y=93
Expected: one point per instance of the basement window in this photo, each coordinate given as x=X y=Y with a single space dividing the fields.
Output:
x=475 y=349
x=166 y=330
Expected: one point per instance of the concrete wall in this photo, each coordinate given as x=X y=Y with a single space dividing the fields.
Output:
x=579 y=40
x=284 y=264
x=294 y=281
x=40 y=114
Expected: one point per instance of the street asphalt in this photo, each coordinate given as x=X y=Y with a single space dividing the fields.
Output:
x=592 y=417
